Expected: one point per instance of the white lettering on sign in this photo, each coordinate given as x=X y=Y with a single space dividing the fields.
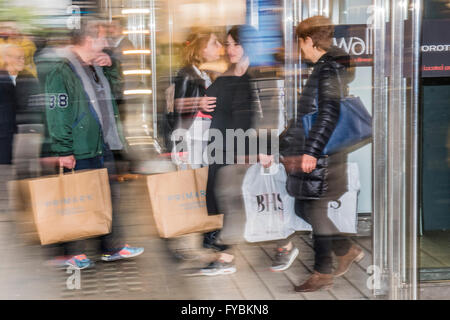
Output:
x=435 y=48
x=356 y=46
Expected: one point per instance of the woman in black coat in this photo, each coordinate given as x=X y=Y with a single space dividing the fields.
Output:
x=323 y=92
x=234 y=110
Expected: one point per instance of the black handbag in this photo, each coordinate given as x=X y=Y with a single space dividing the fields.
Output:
x=292 y=139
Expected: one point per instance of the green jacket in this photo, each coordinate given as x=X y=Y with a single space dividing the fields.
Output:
x=72 y=125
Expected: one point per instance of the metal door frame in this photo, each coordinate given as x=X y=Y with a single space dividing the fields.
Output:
x=395 y=147
x=395 y=139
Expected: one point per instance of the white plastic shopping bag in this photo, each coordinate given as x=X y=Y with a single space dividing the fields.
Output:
x=295 y=223
x=269 y=209
x=341 y=211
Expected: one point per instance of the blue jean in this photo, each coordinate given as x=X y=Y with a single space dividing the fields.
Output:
x=111 y=242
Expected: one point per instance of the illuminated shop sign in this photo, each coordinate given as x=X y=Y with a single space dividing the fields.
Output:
x=357 y=41
x=435 y=48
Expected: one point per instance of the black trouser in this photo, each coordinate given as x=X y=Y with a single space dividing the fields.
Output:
x=209 y=238
x=327 y=238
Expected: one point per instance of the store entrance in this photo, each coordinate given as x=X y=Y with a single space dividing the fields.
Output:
x=434 y=239
x=434 y=218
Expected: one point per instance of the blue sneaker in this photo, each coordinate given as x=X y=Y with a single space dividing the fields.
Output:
x=125 y=253
x=79 y=262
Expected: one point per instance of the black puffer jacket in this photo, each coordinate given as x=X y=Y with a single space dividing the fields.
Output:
x=324 y=91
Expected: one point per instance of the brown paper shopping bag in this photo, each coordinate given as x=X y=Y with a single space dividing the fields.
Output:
x=20 y=205
x=69 y=207
x=178 y=201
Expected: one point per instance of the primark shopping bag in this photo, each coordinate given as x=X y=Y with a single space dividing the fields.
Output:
x=68 y=207
x=268 y=207
x=178 y=201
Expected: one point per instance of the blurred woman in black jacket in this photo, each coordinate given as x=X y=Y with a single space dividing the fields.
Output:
x=29 y=112
x=323 y=92
x=7 y=117
x=191 y=116
x=234 y=110
x=191 y=107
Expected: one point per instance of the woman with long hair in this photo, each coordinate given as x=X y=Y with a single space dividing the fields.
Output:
x=234 y=110
x=192 y=112
x=192 y=108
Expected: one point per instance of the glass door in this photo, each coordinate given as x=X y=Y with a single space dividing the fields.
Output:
x=382 y=38
x=396 y=57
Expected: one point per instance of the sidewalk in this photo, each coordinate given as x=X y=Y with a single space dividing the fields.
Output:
x=25 y=275
x=154 y=275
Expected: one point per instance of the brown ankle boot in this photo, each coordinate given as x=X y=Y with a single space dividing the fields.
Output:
x=354 y=254
x=316 y=282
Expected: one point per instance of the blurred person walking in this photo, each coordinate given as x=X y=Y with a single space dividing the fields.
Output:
x=118 y=44
x=10 y=35
x=83 y=121
x=13 y=62
x=29 y=112
x=118 y=41
x=323 y=91
x=8 y=107
x=192 y=108
x=234 y=110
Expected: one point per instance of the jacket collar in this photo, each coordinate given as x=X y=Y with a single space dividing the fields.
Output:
x=335 y=54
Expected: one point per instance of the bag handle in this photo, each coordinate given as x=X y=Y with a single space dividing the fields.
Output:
x=187 y=164
x=341 y=87
x=61 y=170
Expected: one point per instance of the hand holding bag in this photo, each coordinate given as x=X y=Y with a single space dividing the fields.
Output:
x=309 y=186
x=301 y=185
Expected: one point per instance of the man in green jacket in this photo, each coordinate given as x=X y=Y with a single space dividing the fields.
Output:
x=83 y=120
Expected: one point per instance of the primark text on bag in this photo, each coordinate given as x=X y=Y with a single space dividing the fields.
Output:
x=178 y=202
